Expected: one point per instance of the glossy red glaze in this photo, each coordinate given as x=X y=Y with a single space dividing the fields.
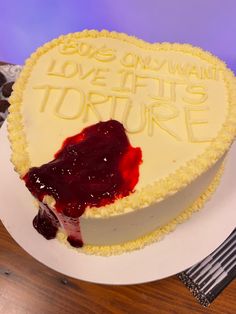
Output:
x=92 y=169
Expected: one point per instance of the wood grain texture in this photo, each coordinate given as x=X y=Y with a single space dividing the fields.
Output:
x=28 y=287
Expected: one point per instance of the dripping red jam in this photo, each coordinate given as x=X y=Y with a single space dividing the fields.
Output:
x=91 y=169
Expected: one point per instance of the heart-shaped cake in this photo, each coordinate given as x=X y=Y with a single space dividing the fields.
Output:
x=118 y=139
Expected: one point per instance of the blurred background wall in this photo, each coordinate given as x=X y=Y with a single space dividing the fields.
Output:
x=210 y=24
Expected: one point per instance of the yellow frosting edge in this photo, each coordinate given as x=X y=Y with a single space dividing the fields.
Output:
x=160 y=189
x=155 y=235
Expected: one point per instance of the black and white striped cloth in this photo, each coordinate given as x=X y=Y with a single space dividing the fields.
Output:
x=209 y=277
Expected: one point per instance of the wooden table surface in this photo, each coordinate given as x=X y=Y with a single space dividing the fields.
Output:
x=28 y=287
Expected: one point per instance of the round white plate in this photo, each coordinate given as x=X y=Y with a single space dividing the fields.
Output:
x=187 y=245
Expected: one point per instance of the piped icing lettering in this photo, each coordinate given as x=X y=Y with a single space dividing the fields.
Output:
x=104 y=83
x=84 y=49
x=192 y=123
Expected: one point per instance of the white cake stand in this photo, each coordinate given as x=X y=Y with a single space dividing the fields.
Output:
x=187 y=245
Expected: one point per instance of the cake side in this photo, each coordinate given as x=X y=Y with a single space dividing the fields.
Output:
x=160 y=232
x=184 y=171
x=132 y=225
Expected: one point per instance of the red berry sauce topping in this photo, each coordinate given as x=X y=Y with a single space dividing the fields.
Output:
x=92 y=169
